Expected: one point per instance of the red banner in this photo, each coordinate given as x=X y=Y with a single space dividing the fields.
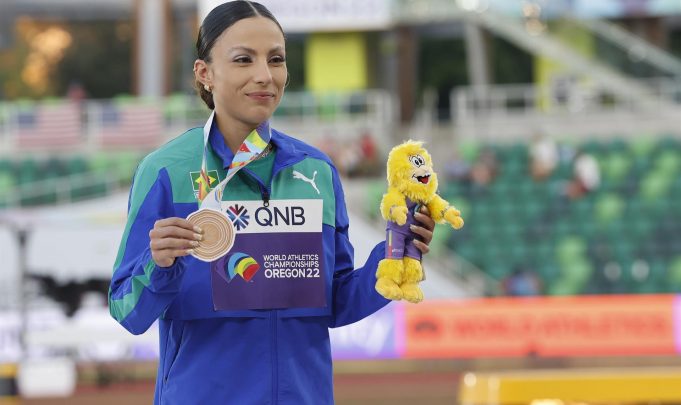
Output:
x=546 y=326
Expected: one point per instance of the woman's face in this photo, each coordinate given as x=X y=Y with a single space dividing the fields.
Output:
x=247 y=72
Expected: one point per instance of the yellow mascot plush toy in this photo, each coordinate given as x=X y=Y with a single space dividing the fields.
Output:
x=411 y=184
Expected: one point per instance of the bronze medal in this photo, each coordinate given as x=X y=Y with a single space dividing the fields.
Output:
x=218 y=234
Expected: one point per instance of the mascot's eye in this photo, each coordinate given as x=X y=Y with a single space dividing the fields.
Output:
x=417 y=160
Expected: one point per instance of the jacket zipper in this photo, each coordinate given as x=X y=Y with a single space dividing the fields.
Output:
x=275 y=355
x=265 y=191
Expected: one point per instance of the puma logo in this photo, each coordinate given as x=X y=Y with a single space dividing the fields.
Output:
x=300 y=176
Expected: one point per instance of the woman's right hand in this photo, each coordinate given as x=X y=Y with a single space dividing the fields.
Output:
x=171 y=238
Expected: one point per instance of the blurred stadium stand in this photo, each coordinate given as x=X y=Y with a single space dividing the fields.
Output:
x=623 y=237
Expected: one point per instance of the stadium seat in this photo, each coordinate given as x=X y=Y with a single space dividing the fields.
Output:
x=101 y=163
x=468 y=150
x=674 y=275
x=616 y=167
x=467 y=251
x=125 y=164
x=668 y=161
x=565 y=286
x=26 y=171
x=438 y=244
x=6 y=187
x=78 y=165
x=373 y=195
x=570 y=248
x=497 y=269
x=608 y=207
x=578 y=269
x=174 y=105
x=654 y=186
x=7 y=166
x=658 y=278
x=53 y=167
x=642 y=145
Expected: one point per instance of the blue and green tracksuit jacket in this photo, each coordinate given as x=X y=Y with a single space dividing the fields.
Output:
x=242 y=356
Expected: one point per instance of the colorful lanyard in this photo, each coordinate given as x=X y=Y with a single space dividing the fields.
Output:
x=254 y=144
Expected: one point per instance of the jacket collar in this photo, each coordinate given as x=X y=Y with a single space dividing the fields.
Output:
x=286 y=151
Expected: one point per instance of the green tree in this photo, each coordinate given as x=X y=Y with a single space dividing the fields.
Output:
x=99 y=59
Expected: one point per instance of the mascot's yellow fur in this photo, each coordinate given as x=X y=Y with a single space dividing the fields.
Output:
x=411 y=184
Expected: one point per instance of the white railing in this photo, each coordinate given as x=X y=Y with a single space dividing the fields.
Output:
x=574 y=98
x=512 y=111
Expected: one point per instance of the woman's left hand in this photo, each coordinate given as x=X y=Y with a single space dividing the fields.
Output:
x=424 y=231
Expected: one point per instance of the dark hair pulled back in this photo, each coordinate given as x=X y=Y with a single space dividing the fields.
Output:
x=215 y=23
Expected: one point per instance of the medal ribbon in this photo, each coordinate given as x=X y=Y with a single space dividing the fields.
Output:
x=254 y=144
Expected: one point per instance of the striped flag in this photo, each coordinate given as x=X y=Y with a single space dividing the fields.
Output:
x=130 y=125
x=204 y=185
x=48 y=126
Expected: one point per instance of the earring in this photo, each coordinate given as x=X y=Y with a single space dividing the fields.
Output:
x=207 y=87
